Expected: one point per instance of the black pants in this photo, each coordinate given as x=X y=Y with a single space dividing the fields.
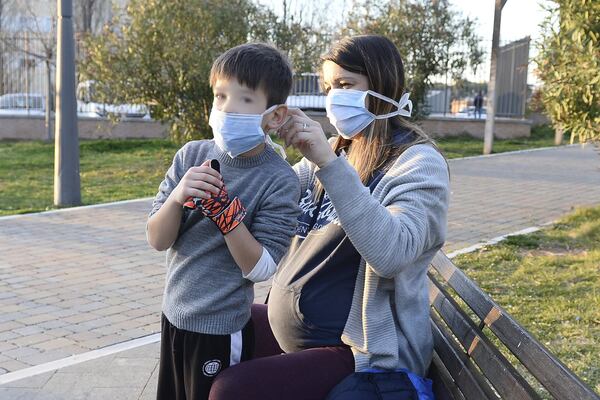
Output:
x=190 y=361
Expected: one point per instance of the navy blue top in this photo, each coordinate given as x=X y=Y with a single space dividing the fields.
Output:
x=312 y=291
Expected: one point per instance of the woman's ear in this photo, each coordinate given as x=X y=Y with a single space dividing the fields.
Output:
x=277 y=118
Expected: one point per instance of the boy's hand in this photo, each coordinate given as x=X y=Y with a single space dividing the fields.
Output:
x=201 y=182
x=227 y=214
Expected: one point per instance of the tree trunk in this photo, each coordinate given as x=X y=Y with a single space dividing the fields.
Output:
x=488 y=136
x=558 y=135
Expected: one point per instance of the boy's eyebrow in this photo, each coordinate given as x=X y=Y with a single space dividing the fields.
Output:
x=243 y=89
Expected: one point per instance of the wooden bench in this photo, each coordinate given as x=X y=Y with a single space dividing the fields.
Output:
x=467 y=364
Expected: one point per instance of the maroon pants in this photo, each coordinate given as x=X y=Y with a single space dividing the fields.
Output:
x=308 y=374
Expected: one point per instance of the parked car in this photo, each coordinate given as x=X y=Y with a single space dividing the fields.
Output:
x=307 y=93
x=469 y=112
x=22 y=104
x=89 y=106
x=307 y=101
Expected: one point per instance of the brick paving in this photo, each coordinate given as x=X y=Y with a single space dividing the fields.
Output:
x=84 y=278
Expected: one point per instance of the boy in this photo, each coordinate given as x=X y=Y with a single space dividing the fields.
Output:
x=225 y=227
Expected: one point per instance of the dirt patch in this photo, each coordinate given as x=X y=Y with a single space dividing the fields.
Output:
x=553 y=252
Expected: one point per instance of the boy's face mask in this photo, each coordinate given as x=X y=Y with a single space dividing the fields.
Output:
x=347 y=110
x=238 y=133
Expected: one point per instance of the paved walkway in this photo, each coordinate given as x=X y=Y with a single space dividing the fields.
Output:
x=83 y=279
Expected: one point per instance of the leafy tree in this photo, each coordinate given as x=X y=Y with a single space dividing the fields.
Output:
x=569 y=65
x=90 y=15
x=39 y=45
x=304 y=42
x=160 y=53
x=431 y=36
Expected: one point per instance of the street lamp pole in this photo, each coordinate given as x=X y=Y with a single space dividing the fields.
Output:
x=488 y=135
x=67 y=190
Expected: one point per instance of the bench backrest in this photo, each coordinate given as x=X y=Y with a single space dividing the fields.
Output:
x=468 y=362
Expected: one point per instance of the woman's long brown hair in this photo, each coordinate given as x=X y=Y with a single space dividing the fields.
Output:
x=377 y=58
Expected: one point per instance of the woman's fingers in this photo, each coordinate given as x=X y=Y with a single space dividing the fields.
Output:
x=297 y=125
x=307 y=136
x=300 y=138
x=296 y=112
x=301 y=121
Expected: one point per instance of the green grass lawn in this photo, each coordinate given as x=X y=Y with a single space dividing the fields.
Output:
x=113 y=169
x=466 y=146
x=550 y=282
x=110 y=170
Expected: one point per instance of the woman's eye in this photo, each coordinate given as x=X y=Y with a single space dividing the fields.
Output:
x=218 y=96
x=247 y=100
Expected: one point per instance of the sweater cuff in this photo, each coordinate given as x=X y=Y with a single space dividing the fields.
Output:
x=342 y=183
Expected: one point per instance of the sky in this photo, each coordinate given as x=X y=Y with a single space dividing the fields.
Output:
x=520 y=18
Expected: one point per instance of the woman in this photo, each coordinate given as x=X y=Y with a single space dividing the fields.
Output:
x=351 y=294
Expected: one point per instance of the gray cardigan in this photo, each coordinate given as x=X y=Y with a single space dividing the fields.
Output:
x=396 y=230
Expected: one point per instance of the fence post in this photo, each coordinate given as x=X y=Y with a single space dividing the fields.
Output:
x=48 y=111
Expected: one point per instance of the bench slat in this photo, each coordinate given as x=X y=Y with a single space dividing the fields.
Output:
x=444 y=387
x=561 y=382
x=457 y=364
x=498 y=370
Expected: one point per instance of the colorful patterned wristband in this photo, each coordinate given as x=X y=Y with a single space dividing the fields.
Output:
x=229 y=218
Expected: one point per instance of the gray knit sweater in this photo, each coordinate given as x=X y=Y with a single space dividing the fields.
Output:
x=205 y=291
x=396 y=230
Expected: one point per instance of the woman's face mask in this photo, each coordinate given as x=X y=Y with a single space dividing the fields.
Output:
x=348 y=113
x=237 y=133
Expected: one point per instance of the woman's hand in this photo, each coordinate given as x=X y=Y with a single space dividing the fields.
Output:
x=308 y=137
x=197 y=182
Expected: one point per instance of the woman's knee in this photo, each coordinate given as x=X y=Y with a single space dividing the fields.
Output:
x=230 y=384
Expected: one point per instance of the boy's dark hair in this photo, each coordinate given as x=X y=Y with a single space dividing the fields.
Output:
x=256 y=65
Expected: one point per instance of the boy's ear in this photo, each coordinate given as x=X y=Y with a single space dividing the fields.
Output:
x=278 y=117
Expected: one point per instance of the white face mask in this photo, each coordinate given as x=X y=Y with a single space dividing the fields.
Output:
x=238 y=133
x=347 y=110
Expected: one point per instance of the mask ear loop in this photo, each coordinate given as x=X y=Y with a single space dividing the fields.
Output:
x=404 y=102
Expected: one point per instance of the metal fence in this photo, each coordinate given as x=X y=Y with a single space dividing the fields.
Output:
x=26 y=67
x=307 y=93
x=511 y=83
x=456 y=99
x=25 y=74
